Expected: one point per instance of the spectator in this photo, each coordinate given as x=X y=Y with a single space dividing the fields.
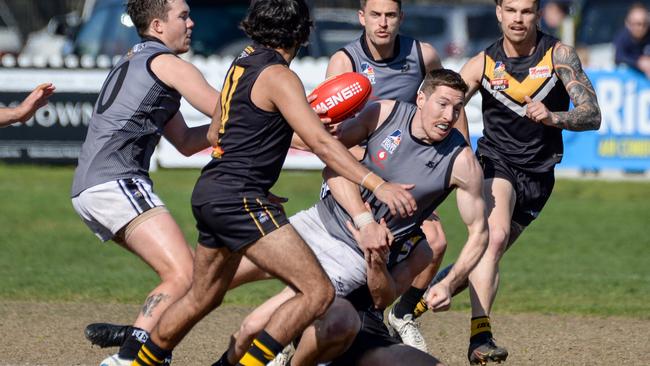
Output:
x=632 y=43
x=553 y=14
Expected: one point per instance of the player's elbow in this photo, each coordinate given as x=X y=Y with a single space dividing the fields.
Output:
x=322 y=149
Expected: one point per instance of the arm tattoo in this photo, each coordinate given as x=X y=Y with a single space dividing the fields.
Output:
x=151 y=302
x=586 y=114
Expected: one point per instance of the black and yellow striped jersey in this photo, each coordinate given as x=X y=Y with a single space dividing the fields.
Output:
x=253 y=143
x=507 y=133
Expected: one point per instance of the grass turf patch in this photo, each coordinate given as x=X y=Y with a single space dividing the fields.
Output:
x=586 y=254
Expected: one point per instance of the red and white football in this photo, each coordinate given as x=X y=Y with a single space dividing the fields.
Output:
x=342 y=95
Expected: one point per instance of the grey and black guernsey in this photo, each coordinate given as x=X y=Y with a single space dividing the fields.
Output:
x=397 y=78
x=396 y=155
x=509 y=135
x=129 y=116
x=254 y=143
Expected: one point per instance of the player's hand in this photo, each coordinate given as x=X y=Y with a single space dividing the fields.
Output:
x=438 y=298
x=35 y=100
x=320 y=111
x=538 y=112
x=397 y=198
x=373 y=237
x=377 y=259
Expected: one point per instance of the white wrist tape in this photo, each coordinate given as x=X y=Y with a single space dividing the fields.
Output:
x=363 y=219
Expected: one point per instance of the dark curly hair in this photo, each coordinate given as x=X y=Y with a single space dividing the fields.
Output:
x=278 y=23
x=442 y=77
x=142 y=12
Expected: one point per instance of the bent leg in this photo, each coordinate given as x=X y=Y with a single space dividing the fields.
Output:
x=213 y=272
x=159 y=242
x=254 y=323
x=484 y=278
x=284 y=255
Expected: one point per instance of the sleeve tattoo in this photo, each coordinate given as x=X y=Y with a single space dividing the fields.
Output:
x=586 y=114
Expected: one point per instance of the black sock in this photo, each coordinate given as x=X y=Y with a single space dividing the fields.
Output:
x=136 y=338
x=408 y=301
x=151 y=355
x=223 y=361
x=262 y=351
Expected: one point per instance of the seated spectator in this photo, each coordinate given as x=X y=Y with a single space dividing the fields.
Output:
x=633 y=42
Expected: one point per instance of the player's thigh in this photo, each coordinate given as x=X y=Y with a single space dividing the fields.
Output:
x=397 y=354
x=160 y=243
x=283 y=254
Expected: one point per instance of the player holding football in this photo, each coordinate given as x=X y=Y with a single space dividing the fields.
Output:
x=526 y=80
x=401 y=137
x=263 y=103
x=395 y=64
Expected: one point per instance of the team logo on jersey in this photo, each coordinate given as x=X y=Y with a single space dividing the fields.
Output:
x=499 y=81
x=369 y=71
x=262 y=217
x=405 y=67
x=539 y=72
x=392 y=141
x=380 y=156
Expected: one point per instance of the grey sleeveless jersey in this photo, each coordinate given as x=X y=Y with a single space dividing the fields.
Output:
x=127 y=122
x=396 y=156
x=397 y=78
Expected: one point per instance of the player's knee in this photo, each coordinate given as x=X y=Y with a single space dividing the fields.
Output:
x=321 y=299
x=343 y=325
x=497 y=242
x=251 y=326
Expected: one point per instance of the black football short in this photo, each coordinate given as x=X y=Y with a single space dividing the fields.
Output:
x=532 y=189
x=237 y=223
x=373 y=334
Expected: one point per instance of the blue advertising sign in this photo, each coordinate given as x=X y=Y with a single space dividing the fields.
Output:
x=623 y=141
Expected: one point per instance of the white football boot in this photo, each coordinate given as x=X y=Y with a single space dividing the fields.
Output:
x=115 y=360
x=282 y=358
x=408 y=330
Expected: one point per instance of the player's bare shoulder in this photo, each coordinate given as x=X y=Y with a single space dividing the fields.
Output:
x=339 y=63
x=472 y=71
x=430 y=57
x=466 y=172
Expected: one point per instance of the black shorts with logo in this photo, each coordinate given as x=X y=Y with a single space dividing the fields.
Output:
x=532 y=189
x=373 y=334
x=237 y=223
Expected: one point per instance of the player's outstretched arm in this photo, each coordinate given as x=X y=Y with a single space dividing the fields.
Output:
x=467 y=176
x=188 y=81
x=279 y=87
x=471 y=72
x=586 y=114
x=35 y=100
x=187 y=140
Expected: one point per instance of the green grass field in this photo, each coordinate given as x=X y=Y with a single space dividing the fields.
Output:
x=588 y=253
